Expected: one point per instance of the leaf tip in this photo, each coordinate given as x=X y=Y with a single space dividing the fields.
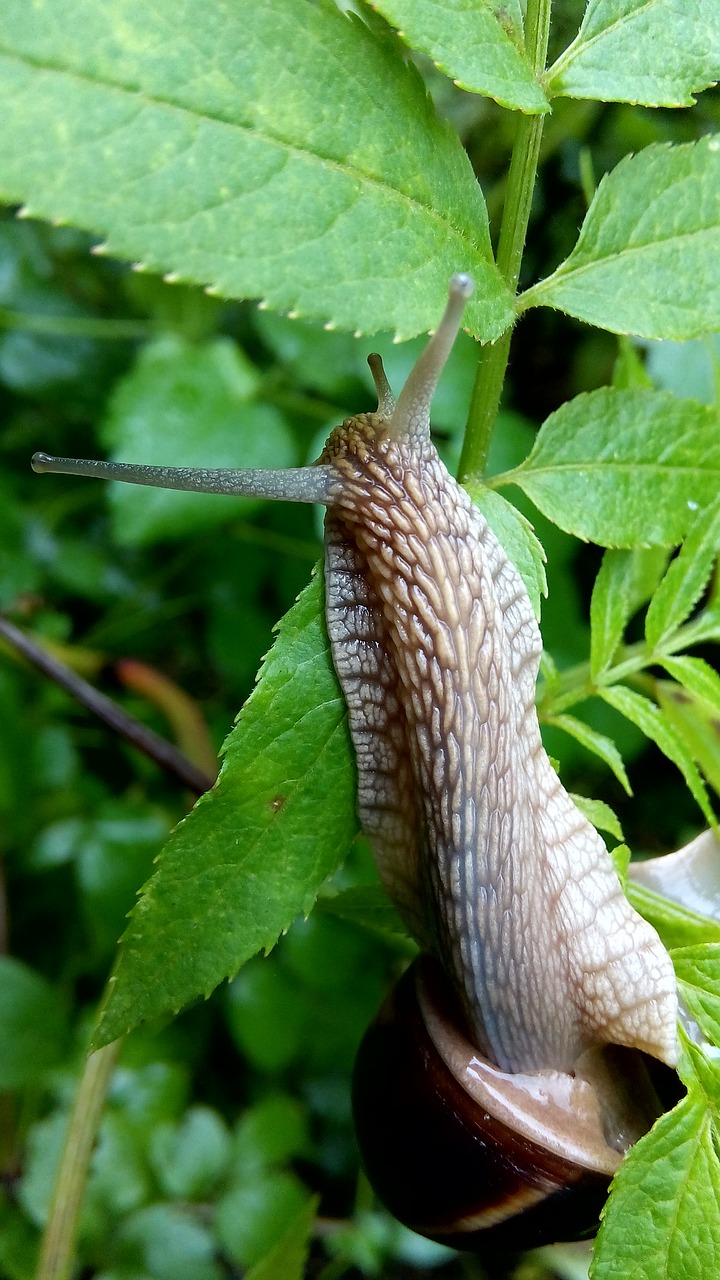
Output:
x=100 y=249
x=140 y=267
x=171 y=277
x=213 y=291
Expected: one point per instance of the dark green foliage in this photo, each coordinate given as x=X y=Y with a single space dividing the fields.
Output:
x=289 y=153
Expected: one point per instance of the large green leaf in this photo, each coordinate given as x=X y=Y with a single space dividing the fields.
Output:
x=653 y=1224
x=648 y=257
x=253 y=853
x=623 y=468
x=658 y=52
x=477 y=42
x=277 y=150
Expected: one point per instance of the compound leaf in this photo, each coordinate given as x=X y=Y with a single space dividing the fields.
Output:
x=656 y=52
x=647 y=260
x=598 y=470
x=189 y=137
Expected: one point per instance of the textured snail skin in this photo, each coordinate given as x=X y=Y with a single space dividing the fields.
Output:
x=493 y=867
x=437 y=650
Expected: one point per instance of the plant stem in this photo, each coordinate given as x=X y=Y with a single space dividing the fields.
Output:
x=74 y=326
x=518 y=200
x=575 y=684
x=164 y=753
x=58 y=1244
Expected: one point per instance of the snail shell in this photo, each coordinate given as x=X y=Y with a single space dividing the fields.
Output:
x=480 y=1159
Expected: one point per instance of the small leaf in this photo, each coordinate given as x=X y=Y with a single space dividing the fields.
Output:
x=480 y=46
x=598 y=743
x=678 y=926
x=686 y=578
x=188 y=404
x=648 y=257
x=655 y=52
x=648 y=717
x=670 y=1183
x=516 y=535
x=190 y=1158
x=599 y=814
x=624 y=581
x=695 y=721
x=164 y=1241
x=697 y=676
x=255 y=850
x=320 y=180
x=33 y=1030
x=286 y=1260
x=253 y=1215
x=698 y=973
x=629 y=371
x=369 y=907
x=598 y=470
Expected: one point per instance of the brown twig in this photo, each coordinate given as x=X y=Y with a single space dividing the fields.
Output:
x=152 y=744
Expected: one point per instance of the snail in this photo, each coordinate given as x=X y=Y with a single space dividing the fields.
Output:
x=507 y=1073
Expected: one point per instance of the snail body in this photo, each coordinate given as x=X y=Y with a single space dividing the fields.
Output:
x=541 y=960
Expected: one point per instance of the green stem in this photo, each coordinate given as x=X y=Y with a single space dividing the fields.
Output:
x=73 y=326
x=58 y=1244
x=518 y=200
x=575 y=684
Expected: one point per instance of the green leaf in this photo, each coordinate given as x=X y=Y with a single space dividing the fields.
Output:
x=188 y=404
x=190 y=1158
x=32 y=1025
x=697 y=676
x=286 y=1260
x=253 y=1215
x=369 y=907
x=275 y=151
x=623 y=468
x=255 y=850
x=624 y=581
x=686 y=578
x=697 y=723
x=650 y=719
x=272 y=1132
x=599 y=814
x=663 y=1214
x=648 y=257
x=165 y=1242
x=656 y=52
x=598 y=743
x=678 y=926
x=517 y=537
x=479 y=45
x=698 y=973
